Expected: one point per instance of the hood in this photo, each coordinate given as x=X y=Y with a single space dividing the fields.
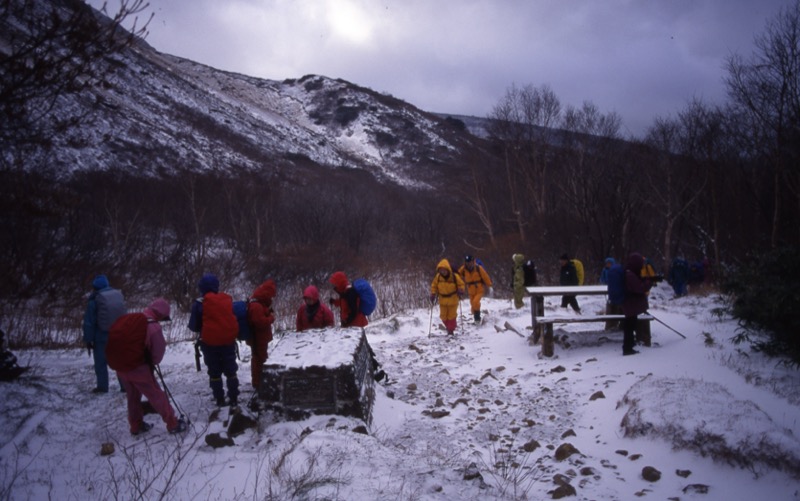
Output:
x=312 y=293
x=265 y=291
x=518 y=259
x=611 y=261
x=158 y=310
x=444 y=263
x=209 y=283
x=339 y=281
x=635 y=263
x=100 y=282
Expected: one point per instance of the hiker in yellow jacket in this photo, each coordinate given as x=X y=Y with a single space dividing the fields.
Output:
x=476 y=278
x=449 y=287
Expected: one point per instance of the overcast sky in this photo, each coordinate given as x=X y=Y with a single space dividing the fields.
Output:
x=639 y=58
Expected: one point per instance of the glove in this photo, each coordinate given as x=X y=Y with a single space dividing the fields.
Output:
x=433 y=298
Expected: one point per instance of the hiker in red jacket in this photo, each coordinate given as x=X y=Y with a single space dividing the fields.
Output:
x=313 y=314
x=261 y=316
x=348 y=301
x=141 y=380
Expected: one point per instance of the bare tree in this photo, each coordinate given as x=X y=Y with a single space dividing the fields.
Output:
x=767 y=88
x=50 y=50
x=522 y=122
x=674 y=182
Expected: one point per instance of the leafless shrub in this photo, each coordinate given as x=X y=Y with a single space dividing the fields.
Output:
x=513 y=470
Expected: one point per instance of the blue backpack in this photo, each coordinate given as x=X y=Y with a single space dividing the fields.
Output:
x=616 y=284
x=240 y=311
x=367 y=296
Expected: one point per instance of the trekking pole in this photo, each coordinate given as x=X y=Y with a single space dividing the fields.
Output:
x=665 y=325
x=461 y=316
x=178 y=408
x=430 y=322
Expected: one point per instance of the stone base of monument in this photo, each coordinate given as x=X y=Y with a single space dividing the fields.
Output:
x=326 y=371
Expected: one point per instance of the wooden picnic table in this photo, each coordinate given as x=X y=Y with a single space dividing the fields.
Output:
x=543 y=326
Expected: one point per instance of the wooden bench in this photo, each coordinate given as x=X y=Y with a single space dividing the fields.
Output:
x=543 y=326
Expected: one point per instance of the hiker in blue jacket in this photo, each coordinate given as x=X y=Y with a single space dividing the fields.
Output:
x=679 y=276
x=610 y=261
x=104 y=306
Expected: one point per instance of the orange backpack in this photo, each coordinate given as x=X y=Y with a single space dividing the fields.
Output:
x=219 y=323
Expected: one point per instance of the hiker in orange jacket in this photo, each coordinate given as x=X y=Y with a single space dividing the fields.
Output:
x=476 y=279
x=449 y=287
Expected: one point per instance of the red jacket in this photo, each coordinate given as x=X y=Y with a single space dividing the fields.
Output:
x=259 y=311
x=315 y=315
x=348 y=302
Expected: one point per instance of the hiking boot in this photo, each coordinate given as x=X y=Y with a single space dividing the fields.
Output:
x=181 y=427
x=221 y=402
x=234 y=401
x=629 y=352
x=99 y=390
x=449 y=333
x=477 y=317
x=144 y=427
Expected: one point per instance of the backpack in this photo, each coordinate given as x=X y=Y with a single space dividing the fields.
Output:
x=616 y=284
x=529 y=270
x=240 y=311
x=368 y=300
x=126 y=350
x=110 y=306
x=578 y=270
x=219 y=323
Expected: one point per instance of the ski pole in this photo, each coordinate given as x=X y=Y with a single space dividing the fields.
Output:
x=665 y=325
x=461 y=315
x=169 y=394
x=430 y=322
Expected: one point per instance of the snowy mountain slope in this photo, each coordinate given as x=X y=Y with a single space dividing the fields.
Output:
x=158 y=114
x=480 y=416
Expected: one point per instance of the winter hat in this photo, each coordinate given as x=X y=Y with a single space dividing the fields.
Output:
x=312 y=293
x=635 y=263
x=339 y=281
x=265 y=291
x=564 y=257
x=160 y=309
x=209 y=283
x=468 y=258
x=518 y=258
x=100 y=282
x=444 y=263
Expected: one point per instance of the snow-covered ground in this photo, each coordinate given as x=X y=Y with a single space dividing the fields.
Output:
x=478 y=416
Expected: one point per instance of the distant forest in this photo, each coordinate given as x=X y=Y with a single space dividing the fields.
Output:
x=715 y=180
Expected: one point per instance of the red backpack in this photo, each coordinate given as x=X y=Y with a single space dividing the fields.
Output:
x=126 y=349
x=220 y=326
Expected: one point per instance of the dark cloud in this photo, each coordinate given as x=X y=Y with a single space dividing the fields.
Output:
x=641 y=59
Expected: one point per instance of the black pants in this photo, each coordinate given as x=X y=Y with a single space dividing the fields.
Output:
x=570 y=301
x=628 y=329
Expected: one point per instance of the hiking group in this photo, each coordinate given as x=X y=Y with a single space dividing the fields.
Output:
x=133 y=345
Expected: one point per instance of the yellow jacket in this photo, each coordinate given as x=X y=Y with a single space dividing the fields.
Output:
x=447 y=288
x=475 y=279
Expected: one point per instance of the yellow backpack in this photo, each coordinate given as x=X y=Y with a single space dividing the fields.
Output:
x=578 y=270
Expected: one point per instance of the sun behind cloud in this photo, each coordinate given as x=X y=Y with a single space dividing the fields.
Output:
x=349 y=21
